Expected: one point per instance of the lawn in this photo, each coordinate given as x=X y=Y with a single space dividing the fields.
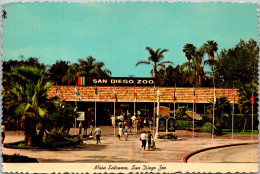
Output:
x=237 y=131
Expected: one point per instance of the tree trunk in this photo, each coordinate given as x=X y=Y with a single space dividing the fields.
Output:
x=30 y=131
x=245 y=121
x=40 y=135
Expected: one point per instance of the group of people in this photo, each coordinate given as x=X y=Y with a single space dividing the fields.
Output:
x=133 y=121
x=123 y=129
x=147 y=138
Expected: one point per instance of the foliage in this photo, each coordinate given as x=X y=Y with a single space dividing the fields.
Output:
x=182 y=125
x=155 y=58
x=58 y=136
x=193 y=71
x=210 y=48
x=207 y=127
x=244 y=100
x=238 y=65
x=27 y=100
x=88 y=67
x=222 y=110
x=168 y=136
x=171 y=76
x=180 y=112
x=17 y=158
x=68 y=141
x=57 y=71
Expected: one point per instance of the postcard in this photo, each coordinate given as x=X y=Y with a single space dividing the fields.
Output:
x=130 y=87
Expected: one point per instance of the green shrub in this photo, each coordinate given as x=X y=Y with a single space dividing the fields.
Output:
x=55 y=136
x=168 y=136
x=207 y=127
x=182 y=125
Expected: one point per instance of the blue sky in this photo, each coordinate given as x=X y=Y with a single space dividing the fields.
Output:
x=117 y=33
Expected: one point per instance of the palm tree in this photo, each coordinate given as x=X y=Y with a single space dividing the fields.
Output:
x=210 y=48
x=244 y=100
x=88 y=67
x=29 y=100
x=222 y=109
x=193 y=71
x=97 y=70
x=189 y=50
x=73 y=71
x=154 y=59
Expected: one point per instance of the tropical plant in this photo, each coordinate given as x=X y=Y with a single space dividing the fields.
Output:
x=154 y=59
x=29 y=100
x=210 y=48
x=244 y=101
x=222 y=108
x=193 y=70
x=57 y=71
x=86 y=67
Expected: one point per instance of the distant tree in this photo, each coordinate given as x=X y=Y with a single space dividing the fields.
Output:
x=239 y=65
x=88 y=67
x=58 y=70
x=244 y=101
x=190 y=51
x=170 y=76
x=70 y=77
x=32 y=61
x=193 y=70
x=210 y=48
x=155 y=58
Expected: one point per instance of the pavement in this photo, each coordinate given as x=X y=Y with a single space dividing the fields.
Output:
x=112 y=150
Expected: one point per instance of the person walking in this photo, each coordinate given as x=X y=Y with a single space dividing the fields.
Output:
x=150 y=124
x=143 y=139
x=130 y=124
x=98 y=134
x=149 y=136
x=80 y=127
x=125 y=130
x=120 y=132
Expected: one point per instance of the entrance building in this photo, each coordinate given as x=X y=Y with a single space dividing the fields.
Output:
x=145 y=102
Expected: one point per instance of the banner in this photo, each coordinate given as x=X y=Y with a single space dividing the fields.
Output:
x=118 y=81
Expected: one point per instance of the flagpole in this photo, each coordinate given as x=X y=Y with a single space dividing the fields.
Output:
x=252 y=121
x=193 y=113
x=213 y=113
x=95 y=107
x=252 y=102
x=75 y=107
x=174 y=101
x=233 y=113
x=154 y=110
x=114 y=114
x=134 y=111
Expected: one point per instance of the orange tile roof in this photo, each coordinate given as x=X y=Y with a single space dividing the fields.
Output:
x=144 y=93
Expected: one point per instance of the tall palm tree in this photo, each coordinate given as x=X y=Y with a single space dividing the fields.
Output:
x=193 y=71
x=210 y=48
x=189 y=50
x=154 y=59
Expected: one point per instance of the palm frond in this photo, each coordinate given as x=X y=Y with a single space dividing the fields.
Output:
x=142 y=62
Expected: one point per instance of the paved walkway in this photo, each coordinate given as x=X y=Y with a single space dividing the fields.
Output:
x=113 y=150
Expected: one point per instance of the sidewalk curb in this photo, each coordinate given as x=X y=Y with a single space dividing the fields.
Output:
x=186 y=157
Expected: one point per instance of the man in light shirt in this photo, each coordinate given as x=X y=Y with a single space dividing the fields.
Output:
x=143 y=139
